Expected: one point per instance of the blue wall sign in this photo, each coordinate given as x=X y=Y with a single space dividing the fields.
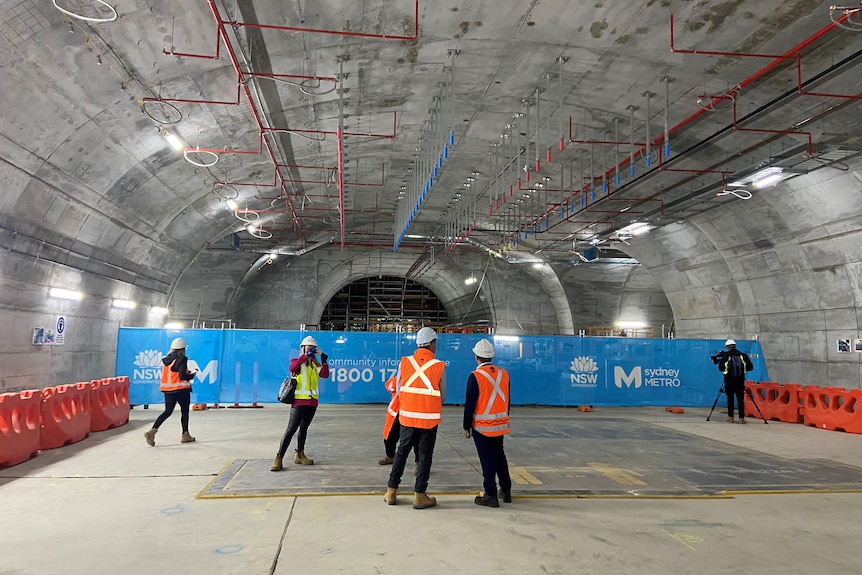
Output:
x=247 y=366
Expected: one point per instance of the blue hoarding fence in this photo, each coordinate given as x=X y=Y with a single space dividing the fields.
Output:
x=247 y=366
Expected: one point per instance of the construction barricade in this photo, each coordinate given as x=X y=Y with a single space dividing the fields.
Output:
x=65 y=415
x=19 y=426
x=109 y=400
x=777 y=402
x=833 y=408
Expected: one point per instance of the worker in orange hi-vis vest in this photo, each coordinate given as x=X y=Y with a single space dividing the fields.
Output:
x=421 y=389
x=486 y=419
x=177 y=386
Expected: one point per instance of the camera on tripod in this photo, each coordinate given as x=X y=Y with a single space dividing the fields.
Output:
x=718 y=356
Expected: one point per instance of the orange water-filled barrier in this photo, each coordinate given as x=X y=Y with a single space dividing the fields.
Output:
x=777 y=402
x=19 y=426
x=833 y=408
x=674 y=409
x=65 y=415
x=109 y=399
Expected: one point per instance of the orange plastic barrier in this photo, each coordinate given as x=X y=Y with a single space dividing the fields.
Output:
x=109 y=399
x=65 y=415
x=19 y=426
x=833 y=408
x=585 y=408
x=674 y=409
x=777 y=402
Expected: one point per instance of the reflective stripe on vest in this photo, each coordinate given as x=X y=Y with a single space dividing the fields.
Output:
x=306 y=382
x=419 y=392
x=391 y=409
x=491 y=417
x=171 y=379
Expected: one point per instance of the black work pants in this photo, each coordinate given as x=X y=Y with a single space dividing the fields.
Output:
x=183 y=397
x=391 y=442
x=735 y=388
x=423 y=440
x=494 y=464
x=300 y=419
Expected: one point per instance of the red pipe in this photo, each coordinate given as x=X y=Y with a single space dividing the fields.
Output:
x=807 y=134
x=803 y=92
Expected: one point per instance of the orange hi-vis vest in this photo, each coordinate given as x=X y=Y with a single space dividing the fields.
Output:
x=491 y=417
x=171 y=379
x=392 y=408
x=419 y=391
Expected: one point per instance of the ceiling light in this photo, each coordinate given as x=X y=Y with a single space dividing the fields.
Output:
x=232 y=205
x=65 y=294
x=124 y=304
x=159 y=310
x=767 y=181
x=758 y=178
x=634 y=229
x=173 y=325
x=173 y=140
x=470 y=280
x=538 y=265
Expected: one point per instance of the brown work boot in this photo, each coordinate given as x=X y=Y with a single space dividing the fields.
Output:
x=730 y=419
x=277 y=464
x=386 y=460
x=150 y=436
x=423 y=501
x=186 y=437
x=301 y=459
x=390 y=497
x=741 y=420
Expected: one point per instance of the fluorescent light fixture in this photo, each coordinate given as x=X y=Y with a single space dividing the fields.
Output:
x=174 y=141
x=159 y=310
x=251 y=229
x=232 y=205
x=635 y=229
x=124 y=303
x=538 y=265
x=767 y=181
x=760 y=178
x=499 y=338
x=631 y=324
x=414 y=237
x=65 y=294
x=173 y=325
x=471 y=279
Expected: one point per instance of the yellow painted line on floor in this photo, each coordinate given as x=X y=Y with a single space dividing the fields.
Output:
x=523 y=477
x=621 y=476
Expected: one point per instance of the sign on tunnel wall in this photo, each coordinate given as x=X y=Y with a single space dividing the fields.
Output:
x=247 y=366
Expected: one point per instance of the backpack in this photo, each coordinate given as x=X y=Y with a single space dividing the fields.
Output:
x=735 y=366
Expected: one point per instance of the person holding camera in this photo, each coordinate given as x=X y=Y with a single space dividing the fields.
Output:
x=307 y=369
x=733 y=364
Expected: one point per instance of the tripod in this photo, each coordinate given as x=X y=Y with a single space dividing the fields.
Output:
x=750 y=395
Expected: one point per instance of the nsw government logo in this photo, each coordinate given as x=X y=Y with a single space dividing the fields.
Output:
x=148 y=366
x=585 y=372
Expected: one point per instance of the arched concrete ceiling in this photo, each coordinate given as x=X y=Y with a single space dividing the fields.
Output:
x=87 y=166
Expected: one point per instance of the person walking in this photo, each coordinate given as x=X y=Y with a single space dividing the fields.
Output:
x=733 y=365
x=486 y=419
x=177 y=387
x=307 y=369
x=421 y=390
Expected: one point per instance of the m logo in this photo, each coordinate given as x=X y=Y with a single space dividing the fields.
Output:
x=621 y=377
x=209 y=372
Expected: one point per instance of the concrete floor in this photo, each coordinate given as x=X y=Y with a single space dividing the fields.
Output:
x=628 y=491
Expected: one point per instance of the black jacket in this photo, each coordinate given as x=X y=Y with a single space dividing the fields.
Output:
x=181 y=366
x=746 y=362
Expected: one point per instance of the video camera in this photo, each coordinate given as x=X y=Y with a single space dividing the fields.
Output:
x=718 y=356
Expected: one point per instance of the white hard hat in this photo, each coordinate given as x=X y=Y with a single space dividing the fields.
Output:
x=309 y=341
x=729 y=342
x=178 y=343
x=425 y=335
x=484 y=348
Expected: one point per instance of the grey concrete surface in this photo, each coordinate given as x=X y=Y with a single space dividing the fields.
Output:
x=112 y=504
